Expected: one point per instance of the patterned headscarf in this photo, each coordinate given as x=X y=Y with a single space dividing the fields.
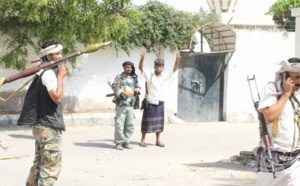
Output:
x=292 y=65
x=51 y=49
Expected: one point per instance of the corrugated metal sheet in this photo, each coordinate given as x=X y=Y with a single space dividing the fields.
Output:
x=219 y=36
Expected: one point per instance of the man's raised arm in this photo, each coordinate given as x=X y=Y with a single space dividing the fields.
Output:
x=141 y=64
x=178 y=57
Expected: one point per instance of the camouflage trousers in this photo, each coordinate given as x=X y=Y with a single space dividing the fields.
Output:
x=47 y=162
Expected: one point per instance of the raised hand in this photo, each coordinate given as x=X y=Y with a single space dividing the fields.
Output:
x=143 y=54
x=178 y=57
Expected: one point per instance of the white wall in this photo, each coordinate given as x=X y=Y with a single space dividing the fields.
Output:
x=89 y=85
x=256 y=53
x=86 y=89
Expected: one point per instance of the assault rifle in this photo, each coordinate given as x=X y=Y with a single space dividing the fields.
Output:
x=262 y=124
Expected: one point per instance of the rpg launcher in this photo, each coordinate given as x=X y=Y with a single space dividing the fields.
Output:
x=35 y=69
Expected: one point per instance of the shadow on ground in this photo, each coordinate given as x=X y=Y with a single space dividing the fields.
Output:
x=222 y=165
x=21 y=136
x=14 y=127
x=98 y=143
x=230 y=170
x=234 y=182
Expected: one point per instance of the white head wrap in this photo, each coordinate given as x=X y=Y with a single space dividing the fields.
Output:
x=287 y=67
x=51 y=50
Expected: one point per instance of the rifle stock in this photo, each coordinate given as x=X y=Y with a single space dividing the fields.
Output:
x=110 y=95
x=35 y=69
x=262 y=125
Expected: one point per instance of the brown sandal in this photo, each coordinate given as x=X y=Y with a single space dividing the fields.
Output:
x=160 y=144
x=143 y=144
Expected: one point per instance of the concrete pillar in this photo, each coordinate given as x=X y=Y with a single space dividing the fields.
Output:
x=296 y=13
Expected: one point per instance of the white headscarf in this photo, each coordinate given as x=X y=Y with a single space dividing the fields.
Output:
x=51 y=50
x=287 y=67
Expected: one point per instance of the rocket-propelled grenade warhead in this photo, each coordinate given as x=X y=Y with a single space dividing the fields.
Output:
x=95 y=47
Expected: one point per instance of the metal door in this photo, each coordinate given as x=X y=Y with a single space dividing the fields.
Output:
x=201 y=87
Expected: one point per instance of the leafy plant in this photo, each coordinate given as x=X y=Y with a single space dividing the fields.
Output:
x=281 y=12
x=27 y=23
x=165 y=26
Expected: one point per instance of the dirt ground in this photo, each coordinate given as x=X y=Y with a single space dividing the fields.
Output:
x=195 y=154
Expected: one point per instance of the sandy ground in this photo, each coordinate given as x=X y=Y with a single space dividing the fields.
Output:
x=195 y=154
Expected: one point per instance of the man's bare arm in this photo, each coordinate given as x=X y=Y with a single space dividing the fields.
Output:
x=178 y=57
x=274 y=111
x=141 y=64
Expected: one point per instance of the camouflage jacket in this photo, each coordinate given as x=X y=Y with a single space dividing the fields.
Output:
x=119 y=82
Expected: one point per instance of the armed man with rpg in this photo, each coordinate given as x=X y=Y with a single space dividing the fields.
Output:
x=280 y=106
x=42 y=111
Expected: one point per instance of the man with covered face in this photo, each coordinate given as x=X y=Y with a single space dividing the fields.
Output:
x=126 y=89
x=154 y=113
x=42 y=110
x=281 y=109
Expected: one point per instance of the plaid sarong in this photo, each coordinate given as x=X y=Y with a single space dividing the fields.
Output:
x=280 y=160
x=153 y=118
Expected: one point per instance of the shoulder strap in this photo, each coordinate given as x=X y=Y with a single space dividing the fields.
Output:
x=6 y=99
x=275 y=127
x=275 y=122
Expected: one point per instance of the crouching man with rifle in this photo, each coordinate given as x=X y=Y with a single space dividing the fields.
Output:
x=281 y=111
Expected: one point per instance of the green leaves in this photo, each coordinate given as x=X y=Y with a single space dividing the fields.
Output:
x=162 y=25
x=28 y=23
x=281 y=12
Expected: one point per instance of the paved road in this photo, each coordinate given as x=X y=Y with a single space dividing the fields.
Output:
x=195 y=154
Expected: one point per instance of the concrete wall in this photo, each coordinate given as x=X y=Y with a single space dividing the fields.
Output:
x=256 y=53
x=85 y=91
